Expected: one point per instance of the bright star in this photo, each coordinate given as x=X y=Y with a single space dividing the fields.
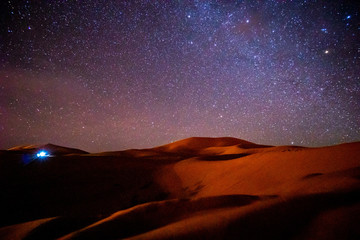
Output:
x=326 y=51
x=348 y=17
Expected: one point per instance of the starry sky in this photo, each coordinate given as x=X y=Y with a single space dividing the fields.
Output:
x=113 y=75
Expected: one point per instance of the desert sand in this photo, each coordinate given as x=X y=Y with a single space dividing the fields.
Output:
x=196 y=188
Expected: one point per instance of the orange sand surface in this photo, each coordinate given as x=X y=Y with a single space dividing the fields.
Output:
x=196 y=188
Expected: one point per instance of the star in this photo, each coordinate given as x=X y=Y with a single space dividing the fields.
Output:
x=137 y=74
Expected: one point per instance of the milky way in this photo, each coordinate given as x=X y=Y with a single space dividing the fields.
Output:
x=112 y=75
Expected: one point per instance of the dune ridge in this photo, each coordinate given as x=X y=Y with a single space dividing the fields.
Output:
x=196 y=188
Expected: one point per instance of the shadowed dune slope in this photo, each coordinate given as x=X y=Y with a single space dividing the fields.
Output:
x=196 y=188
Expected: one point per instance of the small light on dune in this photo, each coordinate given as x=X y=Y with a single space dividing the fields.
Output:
x=42 y=154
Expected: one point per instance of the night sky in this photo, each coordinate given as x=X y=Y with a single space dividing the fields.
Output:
x=114 y=75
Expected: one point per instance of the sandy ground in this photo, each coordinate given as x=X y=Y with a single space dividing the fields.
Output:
x=196 y=188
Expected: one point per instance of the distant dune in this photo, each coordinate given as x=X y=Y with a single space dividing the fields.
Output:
x=196 y=188
x=54 y=149
x=197 y=144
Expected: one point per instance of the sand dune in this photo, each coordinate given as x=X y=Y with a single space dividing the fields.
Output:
x=196 y=145
x=196 y=188
x=54 y=149
x=22 y=230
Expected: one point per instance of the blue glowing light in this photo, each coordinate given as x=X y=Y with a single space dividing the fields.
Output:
x=42 y=154
x=348 y=17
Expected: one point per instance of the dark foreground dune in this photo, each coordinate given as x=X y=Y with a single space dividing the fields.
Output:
x=196 y=188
